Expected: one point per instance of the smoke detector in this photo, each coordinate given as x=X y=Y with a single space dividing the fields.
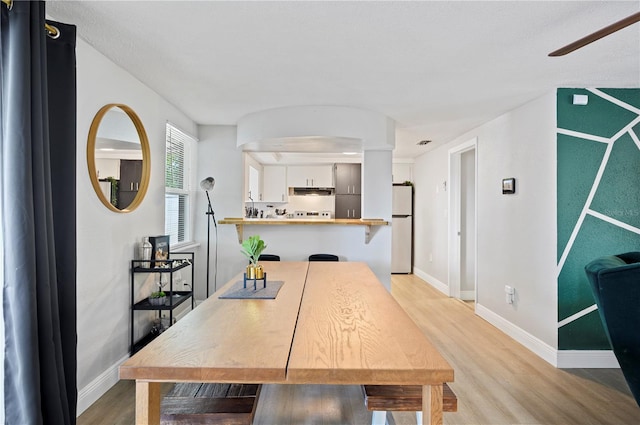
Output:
x=423 y=142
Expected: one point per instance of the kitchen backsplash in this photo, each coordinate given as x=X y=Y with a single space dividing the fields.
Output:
x=301 y=203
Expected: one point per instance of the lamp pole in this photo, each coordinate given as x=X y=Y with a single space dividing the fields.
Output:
x=208 y=213
x=207 y=184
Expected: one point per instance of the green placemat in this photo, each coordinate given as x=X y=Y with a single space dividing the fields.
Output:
x=237 y=291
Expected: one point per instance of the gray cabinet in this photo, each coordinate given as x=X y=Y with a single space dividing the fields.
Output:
x=348 y=179
x=348 y=182
x=130 y=176
x=348 y=206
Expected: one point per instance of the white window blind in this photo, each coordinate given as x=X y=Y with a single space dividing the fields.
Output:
x=177 y=185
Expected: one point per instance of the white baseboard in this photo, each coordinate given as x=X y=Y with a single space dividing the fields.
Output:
x=440 y=286
x=96 y=388
x=540 y=348
x=593 y=359
x=562 y=359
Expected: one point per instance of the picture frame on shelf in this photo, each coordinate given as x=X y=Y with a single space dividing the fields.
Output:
x=159 y=250
x=508 y=186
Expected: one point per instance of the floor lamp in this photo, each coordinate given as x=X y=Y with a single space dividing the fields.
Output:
x=207 y=185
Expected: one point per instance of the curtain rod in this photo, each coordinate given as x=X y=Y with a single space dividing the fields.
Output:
x=52 y=31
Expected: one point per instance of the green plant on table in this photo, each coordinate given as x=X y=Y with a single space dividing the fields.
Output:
x=252 y=248
x=157 y=294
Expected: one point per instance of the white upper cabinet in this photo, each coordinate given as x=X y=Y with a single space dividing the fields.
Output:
x=402 y=172
x=274 y=183
x=253 y=188
x=310 y=175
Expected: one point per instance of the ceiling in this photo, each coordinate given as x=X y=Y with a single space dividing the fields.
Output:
x=438 y=68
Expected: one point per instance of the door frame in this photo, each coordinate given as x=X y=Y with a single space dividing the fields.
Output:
x=454 y=217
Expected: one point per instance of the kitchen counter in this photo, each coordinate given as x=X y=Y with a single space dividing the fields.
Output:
x=366 y=222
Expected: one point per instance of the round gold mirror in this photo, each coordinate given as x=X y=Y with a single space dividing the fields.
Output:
x=118 y=157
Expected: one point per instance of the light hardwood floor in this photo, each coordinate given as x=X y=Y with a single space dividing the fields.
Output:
x=497 y=381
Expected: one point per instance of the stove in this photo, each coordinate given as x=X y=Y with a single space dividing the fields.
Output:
x=312 y=214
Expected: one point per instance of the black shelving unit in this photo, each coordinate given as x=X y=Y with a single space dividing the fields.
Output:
x=175 y=262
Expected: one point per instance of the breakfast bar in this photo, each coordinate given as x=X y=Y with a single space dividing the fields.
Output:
x=330 y=323
x=367 y=223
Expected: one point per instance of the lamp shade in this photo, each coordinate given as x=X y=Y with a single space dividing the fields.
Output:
x=208 y=183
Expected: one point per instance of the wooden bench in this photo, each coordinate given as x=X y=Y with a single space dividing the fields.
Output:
x=407 y=398
x=198 y=404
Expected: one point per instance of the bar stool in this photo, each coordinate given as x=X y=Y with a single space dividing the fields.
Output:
x=268 y=257
x=323 y=257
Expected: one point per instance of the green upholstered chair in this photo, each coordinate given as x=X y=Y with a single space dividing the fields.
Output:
x=615 y=281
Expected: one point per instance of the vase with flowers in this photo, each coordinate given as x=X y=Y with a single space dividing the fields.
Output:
x=252 y=248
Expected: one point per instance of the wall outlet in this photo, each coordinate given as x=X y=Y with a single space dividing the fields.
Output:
x=510 y=293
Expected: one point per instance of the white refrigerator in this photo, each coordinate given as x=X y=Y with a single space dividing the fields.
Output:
x=402 y=229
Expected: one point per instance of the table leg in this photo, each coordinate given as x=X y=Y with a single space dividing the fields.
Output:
x=432 y=404
x=147 y=403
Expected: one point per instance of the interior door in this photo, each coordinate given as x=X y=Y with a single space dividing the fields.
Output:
x=467 y=225
x=462 y=221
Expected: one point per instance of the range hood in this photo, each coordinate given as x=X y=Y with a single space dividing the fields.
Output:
x=311 y=191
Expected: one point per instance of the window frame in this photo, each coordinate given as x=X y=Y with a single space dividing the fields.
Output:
x=188 y=179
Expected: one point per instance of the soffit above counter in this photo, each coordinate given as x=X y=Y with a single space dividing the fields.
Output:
x=315 y=129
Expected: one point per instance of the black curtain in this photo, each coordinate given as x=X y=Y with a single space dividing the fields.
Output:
x=38 y=216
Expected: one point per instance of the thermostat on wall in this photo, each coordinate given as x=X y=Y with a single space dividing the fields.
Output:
x=580 y=99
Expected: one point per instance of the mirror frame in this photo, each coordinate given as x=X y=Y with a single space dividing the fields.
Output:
x=146 y=157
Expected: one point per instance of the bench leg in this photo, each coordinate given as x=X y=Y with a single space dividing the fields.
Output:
x=419 y=417
x=432 y=404
x=379 y=417
x=147 y=403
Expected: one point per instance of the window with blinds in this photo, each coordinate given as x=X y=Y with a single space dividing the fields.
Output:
x=177 y=185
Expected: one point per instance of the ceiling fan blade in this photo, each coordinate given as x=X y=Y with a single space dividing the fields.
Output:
x=597 y=35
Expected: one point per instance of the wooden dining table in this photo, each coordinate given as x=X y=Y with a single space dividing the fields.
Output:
x=330 y=323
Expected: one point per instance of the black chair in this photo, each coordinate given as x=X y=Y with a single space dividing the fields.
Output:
x=268 y=257
x=615 y=282
x=323 y=257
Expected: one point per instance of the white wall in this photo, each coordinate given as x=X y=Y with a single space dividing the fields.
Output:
x=219 y=157
x=376 y=203
x=516 y=233
x=107 y=240
x=430 y=215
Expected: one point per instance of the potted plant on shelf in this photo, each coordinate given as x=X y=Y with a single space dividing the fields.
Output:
x=252 y=248
x=157 y=298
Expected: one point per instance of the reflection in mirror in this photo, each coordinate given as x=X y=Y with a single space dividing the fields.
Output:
x=118 y=157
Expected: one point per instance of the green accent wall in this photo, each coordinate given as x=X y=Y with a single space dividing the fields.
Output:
x=612 y=222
